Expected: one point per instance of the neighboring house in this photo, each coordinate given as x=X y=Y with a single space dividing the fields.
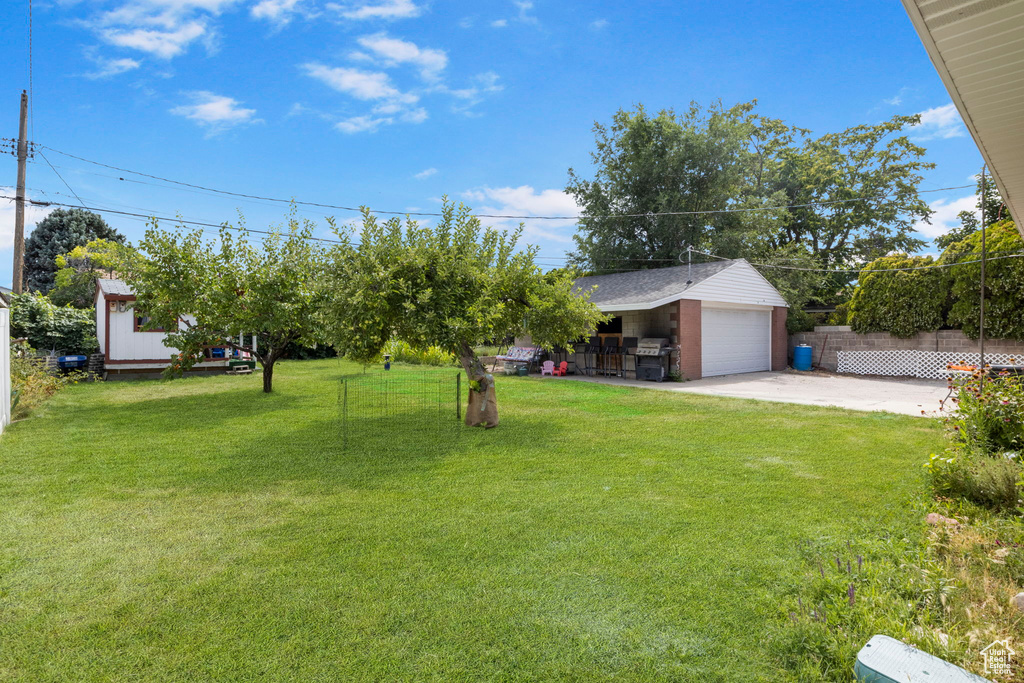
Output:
x=724 y=317
x=128 y=349
x=975 y=46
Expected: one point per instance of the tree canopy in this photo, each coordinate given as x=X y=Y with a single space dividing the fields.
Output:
x=208 y=293
x=1004 y=283
x=60 y=232
x=453 y=285
x=78 y=270
x=739 y=184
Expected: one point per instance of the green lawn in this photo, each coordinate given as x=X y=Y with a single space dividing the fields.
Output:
x=199 y=530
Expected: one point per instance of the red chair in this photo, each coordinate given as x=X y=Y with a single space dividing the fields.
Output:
x=562 y=370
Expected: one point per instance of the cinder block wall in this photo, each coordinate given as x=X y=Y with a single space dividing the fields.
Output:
x=827 y=344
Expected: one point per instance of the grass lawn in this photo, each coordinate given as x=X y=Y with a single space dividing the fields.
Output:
x=200 y=530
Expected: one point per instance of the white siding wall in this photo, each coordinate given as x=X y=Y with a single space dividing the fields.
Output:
x=738 y=284
x=5 y=368
x=101 y=321
x=126 y=344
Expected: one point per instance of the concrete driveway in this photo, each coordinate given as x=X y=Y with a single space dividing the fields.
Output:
x=894 y=395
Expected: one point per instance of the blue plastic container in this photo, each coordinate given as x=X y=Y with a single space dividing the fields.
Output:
x=802 y=357
x=72 y=362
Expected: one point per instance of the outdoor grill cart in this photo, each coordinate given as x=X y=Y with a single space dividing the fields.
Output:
x=652 y=358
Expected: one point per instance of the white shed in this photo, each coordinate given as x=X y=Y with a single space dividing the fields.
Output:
x=128 y=349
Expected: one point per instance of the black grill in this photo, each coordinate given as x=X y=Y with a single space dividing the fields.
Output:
x=651 y=358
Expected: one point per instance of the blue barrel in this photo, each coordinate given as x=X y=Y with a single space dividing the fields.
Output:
x=802 y=357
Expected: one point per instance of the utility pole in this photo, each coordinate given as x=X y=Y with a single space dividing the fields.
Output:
x=19 y=207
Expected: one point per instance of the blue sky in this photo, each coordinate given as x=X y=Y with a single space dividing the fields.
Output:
x=394 y=103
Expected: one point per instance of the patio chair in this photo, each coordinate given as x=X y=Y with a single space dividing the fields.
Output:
x=562 y=370
x=548 y=368
x=627 y=349
x=610 y=355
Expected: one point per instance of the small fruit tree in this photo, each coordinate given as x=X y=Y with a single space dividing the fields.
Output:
x=452 y=285
x=208 y=293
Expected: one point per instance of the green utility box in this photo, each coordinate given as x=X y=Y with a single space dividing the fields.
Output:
x=235 y=364
x=887 y=660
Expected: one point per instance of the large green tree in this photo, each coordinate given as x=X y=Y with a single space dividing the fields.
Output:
x=78 y=270
x=743 y=185
x=669 y=164
x=209 y=293
x=61 y=231
x=453 y=285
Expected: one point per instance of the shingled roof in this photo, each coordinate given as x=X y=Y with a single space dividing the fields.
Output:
x=646 y=288
x=114 y=287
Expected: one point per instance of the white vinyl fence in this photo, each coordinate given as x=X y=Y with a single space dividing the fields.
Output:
x=5 y=367
x=913 y=363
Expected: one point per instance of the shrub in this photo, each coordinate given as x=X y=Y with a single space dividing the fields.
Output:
x=1004 y=283
x=993 y=482
x=50 y=327
x=32 y=383
x=401 y=352
x=901 y=303
x=990 y=418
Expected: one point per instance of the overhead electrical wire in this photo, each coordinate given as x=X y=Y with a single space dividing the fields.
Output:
x=203 y=224
x=859 y=270
x=479 y=215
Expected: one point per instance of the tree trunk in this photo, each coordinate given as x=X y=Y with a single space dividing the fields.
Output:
x=268 y=375
x=482 y=405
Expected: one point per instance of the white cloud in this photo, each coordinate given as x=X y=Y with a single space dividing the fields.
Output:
x=598 y=24
x=524 y=7
x=525 y=201
x=361 y=124
x=105 y=68
x=425 y=173
x=466 y=22
x=160 y=43
x=216 y=113
x=939 y=123
x=499 y=23
x=945 y=215
x=482 y=84
x=33 y=214
x=363 y=85
x=383 y=9
x=279 y=12
x=163 y=28
x=394 y=51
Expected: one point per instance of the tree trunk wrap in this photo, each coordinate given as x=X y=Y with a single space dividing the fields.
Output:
x=482 y=407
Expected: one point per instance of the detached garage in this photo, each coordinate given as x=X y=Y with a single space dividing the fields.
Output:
x=721 y=318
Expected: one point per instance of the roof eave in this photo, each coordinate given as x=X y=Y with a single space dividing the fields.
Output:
x=923 y=32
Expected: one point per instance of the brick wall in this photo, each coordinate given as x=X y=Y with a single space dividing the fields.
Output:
x=688 y=317
x=827 y=343
x=780 y=338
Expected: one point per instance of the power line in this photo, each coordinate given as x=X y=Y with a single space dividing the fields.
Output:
x=860 y=270
x=484 y=215
x=59 y=175
x=163 y=218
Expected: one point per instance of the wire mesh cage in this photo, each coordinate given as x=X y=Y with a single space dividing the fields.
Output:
x=398 y=411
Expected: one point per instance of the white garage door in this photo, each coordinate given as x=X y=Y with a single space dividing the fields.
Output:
x=734 y=340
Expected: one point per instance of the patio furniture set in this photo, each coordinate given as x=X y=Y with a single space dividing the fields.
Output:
x=606 y=357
